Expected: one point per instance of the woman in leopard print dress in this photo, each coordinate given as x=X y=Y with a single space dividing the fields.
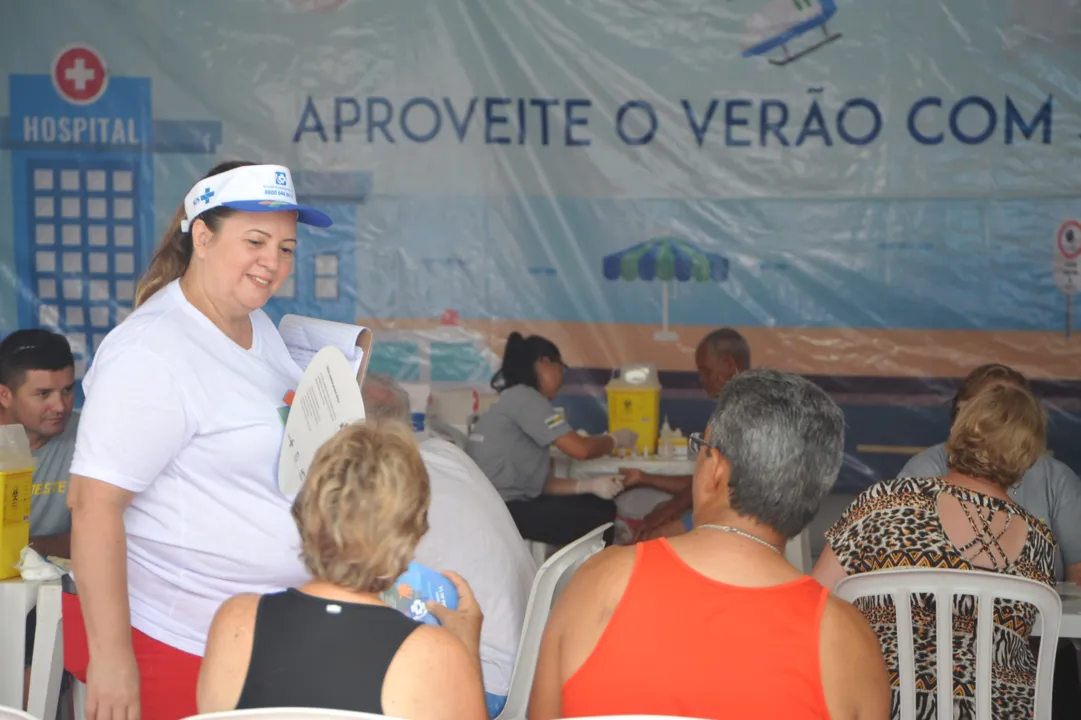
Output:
x=965 y=521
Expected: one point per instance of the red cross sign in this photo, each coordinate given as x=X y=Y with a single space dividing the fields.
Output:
x=79 y=74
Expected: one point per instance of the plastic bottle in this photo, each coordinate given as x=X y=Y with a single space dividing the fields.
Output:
x=415 y=587
x=16 y=488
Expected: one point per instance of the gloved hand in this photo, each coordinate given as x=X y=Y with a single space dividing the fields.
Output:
x=606 y=486
x=625 y=439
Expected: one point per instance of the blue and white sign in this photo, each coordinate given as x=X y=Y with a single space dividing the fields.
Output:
x=865 y=189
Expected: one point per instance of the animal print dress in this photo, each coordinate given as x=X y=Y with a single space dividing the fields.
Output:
x=895 y=524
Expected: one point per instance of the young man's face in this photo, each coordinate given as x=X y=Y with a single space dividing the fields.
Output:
x=714 y=370
x=41 y=403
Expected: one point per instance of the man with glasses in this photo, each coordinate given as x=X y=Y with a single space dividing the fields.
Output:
x=720 y=356
x=716 y=623
x=37 y=391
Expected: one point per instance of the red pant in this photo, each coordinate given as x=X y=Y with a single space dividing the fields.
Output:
x=167 y=676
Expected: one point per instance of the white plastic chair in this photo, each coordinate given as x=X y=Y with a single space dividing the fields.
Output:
x=9 y=713
x=540 y=552
x=901 y=584
x=636 y=717
x=798 y=551
x=453 y=406
x=47 y=661
x=17 y=598
x=78 y=698
x=288 y=714
x=550 y=581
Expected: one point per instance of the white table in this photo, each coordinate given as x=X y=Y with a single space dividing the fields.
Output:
x=634 y=504
x=610 y=465
x=17 y=598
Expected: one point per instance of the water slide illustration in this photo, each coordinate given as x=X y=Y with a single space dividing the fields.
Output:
x=445 y=356
x=782 y=21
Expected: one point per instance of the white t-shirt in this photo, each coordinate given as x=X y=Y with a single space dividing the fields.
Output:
x=189 y=421
x=471 y=532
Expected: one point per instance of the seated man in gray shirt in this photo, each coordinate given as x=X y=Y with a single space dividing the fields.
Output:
x=37 y=391
x=1049 y=490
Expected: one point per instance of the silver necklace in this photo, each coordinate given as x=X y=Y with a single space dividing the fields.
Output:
x=741 y=533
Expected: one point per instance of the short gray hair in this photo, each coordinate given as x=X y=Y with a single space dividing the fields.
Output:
x=385 y=399
x=784 y=438
x=730 y=343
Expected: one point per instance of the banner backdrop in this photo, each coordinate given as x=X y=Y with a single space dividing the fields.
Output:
x=880 y=195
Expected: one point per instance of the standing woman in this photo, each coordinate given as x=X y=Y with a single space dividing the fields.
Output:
x=511 y=443
x=174 y=494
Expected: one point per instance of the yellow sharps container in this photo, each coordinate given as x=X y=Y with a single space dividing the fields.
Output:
x=16 y=485
x=634 y=403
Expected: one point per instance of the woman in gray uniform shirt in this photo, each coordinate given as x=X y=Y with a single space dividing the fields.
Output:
x=511 y=443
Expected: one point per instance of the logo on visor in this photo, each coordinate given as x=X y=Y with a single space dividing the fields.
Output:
x=273 y=203
x=279 y=178
x=204 y=198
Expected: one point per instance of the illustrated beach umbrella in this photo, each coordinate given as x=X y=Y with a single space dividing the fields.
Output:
x=669 y=258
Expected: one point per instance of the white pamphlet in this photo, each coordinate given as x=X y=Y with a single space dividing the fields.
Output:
x=327 y=399
x=305 y=336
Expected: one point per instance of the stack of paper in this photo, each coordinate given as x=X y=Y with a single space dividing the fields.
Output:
x=327 y=399
x=305 y=336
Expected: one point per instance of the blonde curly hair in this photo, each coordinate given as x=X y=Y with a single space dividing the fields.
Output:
x=998 y=434
x=364 y=507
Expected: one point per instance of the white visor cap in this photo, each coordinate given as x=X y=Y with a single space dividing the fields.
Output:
x=251 y=188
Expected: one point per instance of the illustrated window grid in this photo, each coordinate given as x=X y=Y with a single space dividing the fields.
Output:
x=325 y=282
x=326 y=276
x=84 y=248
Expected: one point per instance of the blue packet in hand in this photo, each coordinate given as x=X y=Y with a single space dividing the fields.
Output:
x=417 y=585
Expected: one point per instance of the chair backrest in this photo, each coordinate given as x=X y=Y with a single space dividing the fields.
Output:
x=944 y=585
x=550 y=581
x=289 y=714
x=798 y=551
x=9 y=713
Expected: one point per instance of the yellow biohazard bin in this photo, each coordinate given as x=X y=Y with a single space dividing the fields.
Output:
x=634 y=403
x=16 y=485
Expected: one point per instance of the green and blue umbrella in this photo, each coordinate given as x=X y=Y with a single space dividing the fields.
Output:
x=666 y=259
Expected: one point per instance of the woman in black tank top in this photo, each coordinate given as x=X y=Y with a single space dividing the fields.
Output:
x=332 y=643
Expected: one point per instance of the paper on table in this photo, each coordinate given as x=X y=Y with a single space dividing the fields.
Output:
x=327 y=399
x=305 y=336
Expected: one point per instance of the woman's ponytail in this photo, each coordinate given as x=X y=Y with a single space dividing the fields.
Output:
x=170 y=260
x=520 y=356
x=173 y=254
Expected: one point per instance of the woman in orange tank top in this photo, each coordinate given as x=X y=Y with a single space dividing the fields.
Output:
x=715 y=623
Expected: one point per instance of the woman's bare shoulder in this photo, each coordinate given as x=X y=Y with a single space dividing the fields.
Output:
x=433 y=675
x=239 y=609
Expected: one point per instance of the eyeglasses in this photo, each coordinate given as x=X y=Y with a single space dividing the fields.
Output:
x=695 y=443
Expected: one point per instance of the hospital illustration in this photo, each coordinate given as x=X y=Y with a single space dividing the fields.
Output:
x=84 y=147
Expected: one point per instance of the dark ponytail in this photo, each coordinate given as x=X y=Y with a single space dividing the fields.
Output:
x=520 y=358
x=173 y=254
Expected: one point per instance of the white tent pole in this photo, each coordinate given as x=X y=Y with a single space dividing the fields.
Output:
x=664 y=305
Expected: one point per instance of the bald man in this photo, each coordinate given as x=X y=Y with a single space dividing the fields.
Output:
x=720 y=356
